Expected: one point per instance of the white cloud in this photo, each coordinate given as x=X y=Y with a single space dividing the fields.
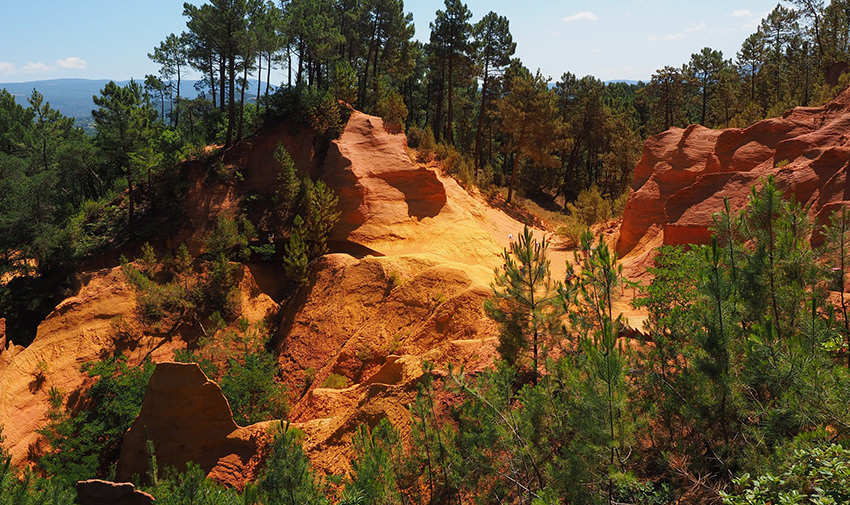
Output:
x=698 y=27
x=33 y=68
x=73 y=62
x=582 y=16
x=752 y=19
x=665 y=38
x=7 y=68
x=594 y=51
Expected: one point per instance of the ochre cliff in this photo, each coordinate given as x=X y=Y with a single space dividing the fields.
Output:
x=685 y=174
x=89 y=326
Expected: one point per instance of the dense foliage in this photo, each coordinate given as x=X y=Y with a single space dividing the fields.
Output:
x=85 y=437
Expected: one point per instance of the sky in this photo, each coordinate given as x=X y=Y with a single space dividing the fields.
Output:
x=609 y=39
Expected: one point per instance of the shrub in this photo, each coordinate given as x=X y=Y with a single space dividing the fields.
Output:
x=192 y=487
x=335 y=381
x=344 y=82
x=818 y=474
x=288 y=184
x=391 y=107
x=374 y=478
x=295 y=259
x=456 y=163
x=85 y=444
x=252 y=390
x=590 y=207
x=157 y=301
x=220 y=293
x=230 y=238
x=618 y=206
x=308 y=106
x=207 y=366
x=571 y=230
x=288 y=479
x=95 y=225
x=421 y=139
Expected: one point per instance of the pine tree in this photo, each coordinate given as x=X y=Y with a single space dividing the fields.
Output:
x=529 y=121
x=524 y=303
x=450 y=48
x=288 y=479
x=123 y=124
x=494 y=47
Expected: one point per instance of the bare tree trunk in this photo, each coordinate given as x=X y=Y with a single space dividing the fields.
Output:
x=513 y=172
x=477 y=154
x=242 y=100
x=231 y=106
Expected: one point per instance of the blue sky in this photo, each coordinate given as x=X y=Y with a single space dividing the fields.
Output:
x=105 y=39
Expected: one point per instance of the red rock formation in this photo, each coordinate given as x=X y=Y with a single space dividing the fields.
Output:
x=187 y=418
x=684 y=175
x=101 y=492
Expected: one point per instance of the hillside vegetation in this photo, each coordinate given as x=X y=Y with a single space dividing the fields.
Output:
x=357 y=314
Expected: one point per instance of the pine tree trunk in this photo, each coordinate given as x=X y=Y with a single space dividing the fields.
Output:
x=513 y=172
x=222 y=80
x=477 y=154
x=259 y=76
x=231 y=105
x=175 y=110
x=242 y=100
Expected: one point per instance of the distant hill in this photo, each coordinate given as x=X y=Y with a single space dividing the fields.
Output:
x=624 y=81
x=73 y=97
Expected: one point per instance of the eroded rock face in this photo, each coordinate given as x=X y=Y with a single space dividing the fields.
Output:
x=187 y=418
x=81 y=329
x=684 y=175
x=393 y=205
x=77 y=331
x=101 y=492
x=375 y=321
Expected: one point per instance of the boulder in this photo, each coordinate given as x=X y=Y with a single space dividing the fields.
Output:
x=188 y=419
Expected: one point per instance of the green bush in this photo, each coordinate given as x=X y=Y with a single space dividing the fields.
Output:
x=373 y=479
x=288 y=479
x=219 y=293
x=309 y=106
x=391 y=107
x=420 y=138
x=455 y=163
x=572 y=230
x=95 y=225
x=590 y=207
x=819 y=475
x=252 y=390
x=85 y=444
x=618 y=206
x=193 y=488
x=155 y=301
x=230 y=238
x=335 y=381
